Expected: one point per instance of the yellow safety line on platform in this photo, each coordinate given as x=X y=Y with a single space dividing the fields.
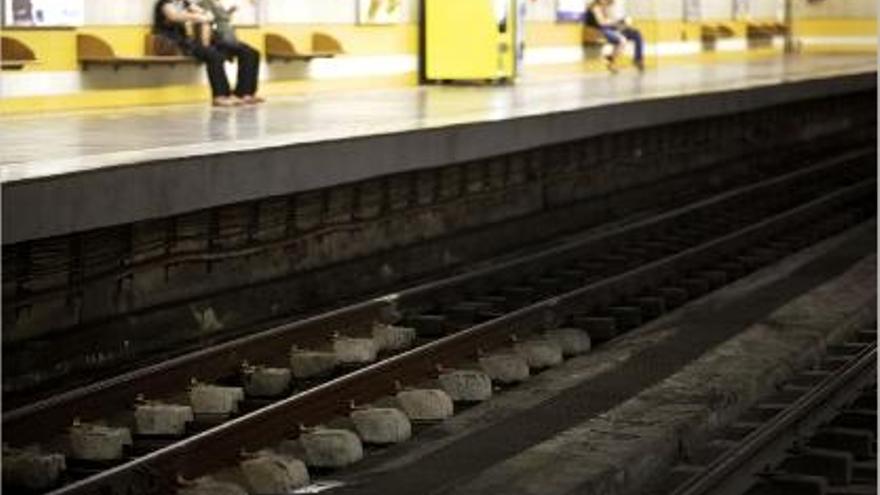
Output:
x=99 y=100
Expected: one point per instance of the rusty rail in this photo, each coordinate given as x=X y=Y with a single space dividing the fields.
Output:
x=282 y=419
x=48 y=417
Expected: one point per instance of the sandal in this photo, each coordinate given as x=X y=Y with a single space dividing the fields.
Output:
x=252 y=100
x=226 y=101
x=611 y=64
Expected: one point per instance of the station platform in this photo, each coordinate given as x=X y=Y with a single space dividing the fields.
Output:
x=66 y=173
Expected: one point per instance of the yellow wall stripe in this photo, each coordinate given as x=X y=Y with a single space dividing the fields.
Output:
x=56 y=52
x=169 y=95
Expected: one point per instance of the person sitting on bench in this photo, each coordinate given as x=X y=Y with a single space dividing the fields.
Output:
x=223 y=38
x=171 y=21
x=616 y=32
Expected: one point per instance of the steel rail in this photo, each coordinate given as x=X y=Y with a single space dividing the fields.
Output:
x=221 y=446
x=714 y=476
x=46 y=418
x=566 y=251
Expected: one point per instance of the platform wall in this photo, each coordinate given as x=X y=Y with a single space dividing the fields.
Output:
x=382 y=55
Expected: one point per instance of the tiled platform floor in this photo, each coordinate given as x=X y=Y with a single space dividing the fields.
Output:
x=41 y=146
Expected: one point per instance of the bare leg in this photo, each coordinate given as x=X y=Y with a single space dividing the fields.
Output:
x=618 y=43
x=618 y=50
x=205 y=34
x=615 y=54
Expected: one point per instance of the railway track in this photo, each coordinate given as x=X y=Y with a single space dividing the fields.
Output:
x=817 y=435
x=604 y=284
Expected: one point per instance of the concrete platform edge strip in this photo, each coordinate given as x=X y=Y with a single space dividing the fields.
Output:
x=207 y=180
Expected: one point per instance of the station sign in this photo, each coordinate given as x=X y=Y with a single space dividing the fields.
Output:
x=380 y=11
x=43 y=13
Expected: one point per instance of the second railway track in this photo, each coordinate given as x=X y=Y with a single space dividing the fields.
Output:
x=816 y=435
x=604 y=284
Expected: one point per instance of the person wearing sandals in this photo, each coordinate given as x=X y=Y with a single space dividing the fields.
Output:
x=224 y=39
x=616 y=32
x=172 y=19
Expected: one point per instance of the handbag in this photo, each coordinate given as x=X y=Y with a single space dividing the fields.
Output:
x=163 y=46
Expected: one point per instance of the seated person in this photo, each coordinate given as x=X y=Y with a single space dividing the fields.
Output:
x=616 y=32
x=224 y=39
x=171 y=21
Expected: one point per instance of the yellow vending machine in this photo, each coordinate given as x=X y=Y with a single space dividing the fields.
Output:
x=470 y=40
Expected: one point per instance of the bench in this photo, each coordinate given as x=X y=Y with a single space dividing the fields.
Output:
x=713 y=32
x=766 y=30
x=282 y=49
x=592 y=37
x=15 y=55
x=93 y=51
x=761 y=35
x=594 y=43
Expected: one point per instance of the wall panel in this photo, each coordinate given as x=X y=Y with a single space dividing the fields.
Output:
x=134 y=12
x=114 y=12
x=767 y=9
x=541 y=10
x=666 y=10
x=716 y=9
x=324 y=11
x=139 y=12
x=836 y=9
